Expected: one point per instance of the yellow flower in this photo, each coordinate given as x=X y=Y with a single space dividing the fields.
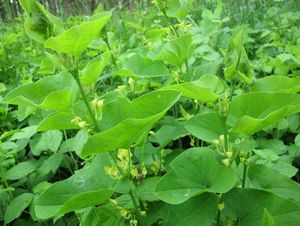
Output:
x=131 y=81
x=82 y=124
x=134 y=172
x=226 y=162
x=124 y=154
x=111 y=171
x=221 y=206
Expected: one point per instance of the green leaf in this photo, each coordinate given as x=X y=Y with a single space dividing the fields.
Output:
x=20 y=170
x=145 y=190
x=55 y=92
x=87 y=187
x=207 y=126
x=268 y=219
x=125 y=122
x=177 y=51
x=207 y=89
x=194 y=172
x=237 y=64
x=248 y=115
x=39 y=23
x=17 y=206
x=277 y=84
x=75 y=40
x=168 y=133
x=58 y=121
x=91 y=72
x=248 y=206
x=273 y=181
x=140 y=66
x=106 y=215
x=50 y=164
x=49 y=140
x=177 y=8
x=25 y=133
x=198 y=209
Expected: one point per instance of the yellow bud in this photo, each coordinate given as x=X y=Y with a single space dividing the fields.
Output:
x=226 y=162
x=76 y=120
x=221 y=206
x=229 y=154
x=82 y=124
x=124 y=212
x=94 y=104
x=133 y=222
x=100 y=103
x=112 y=171
x=151 y=133
x=124 y=154
x=143 y=213
x=144 y=171
x=131 y=81
x=114 y=202
x=216 y=142
x=121 y=89
x=134 y=172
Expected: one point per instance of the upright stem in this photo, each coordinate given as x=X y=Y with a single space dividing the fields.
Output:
x=245 y=172
x=138 y=214
x=86 y=102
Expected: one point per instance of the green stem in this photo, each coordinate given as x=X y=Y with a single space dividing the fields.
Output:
x=105 y=38
x=84 y=97
x=245 y=172
x=6 y=184
x=225 y=133
x=138 y=214
x=219 y=212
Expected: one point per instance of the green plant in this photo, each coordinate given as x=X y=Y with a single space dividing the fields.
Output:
x=154 y=140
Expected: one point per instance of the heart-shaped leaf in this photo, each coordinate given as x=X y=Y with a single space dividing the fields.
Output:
x=194 y=172
x=206 y=89
x=75 y=40
x=126 y=123
x=248 y=205
x=251 y=112
x=87 y=187
x=275 y=182
x=55 y=92
x=207 y=126
x=277 y=84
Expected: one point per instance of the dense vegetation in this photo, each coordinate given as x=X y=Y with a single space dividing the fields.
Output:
x=163 y=113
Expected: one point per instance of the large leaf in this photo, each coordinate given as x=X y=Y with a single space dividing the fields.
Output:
x=248 y=205
x=20 y=170
x=277 y=84
x=200 y=210
x=124 y=122
x=58 y=121
x=49 y=140
x=16 y=207
x=39 y=23
x=207 y=89
x=251 y=112
x=91 y=72
x=194 y=172
x=273 y=181
x=140 y=66
x=237 y=64
x=75 y=40
x=177 y=51
x=55 y=92
x=106 y=215
x=207 y=126
x=177 y=8
x=87 y=187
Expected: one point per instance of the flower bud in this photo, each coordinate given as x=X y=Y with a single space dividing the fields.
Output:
x=226 y=162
